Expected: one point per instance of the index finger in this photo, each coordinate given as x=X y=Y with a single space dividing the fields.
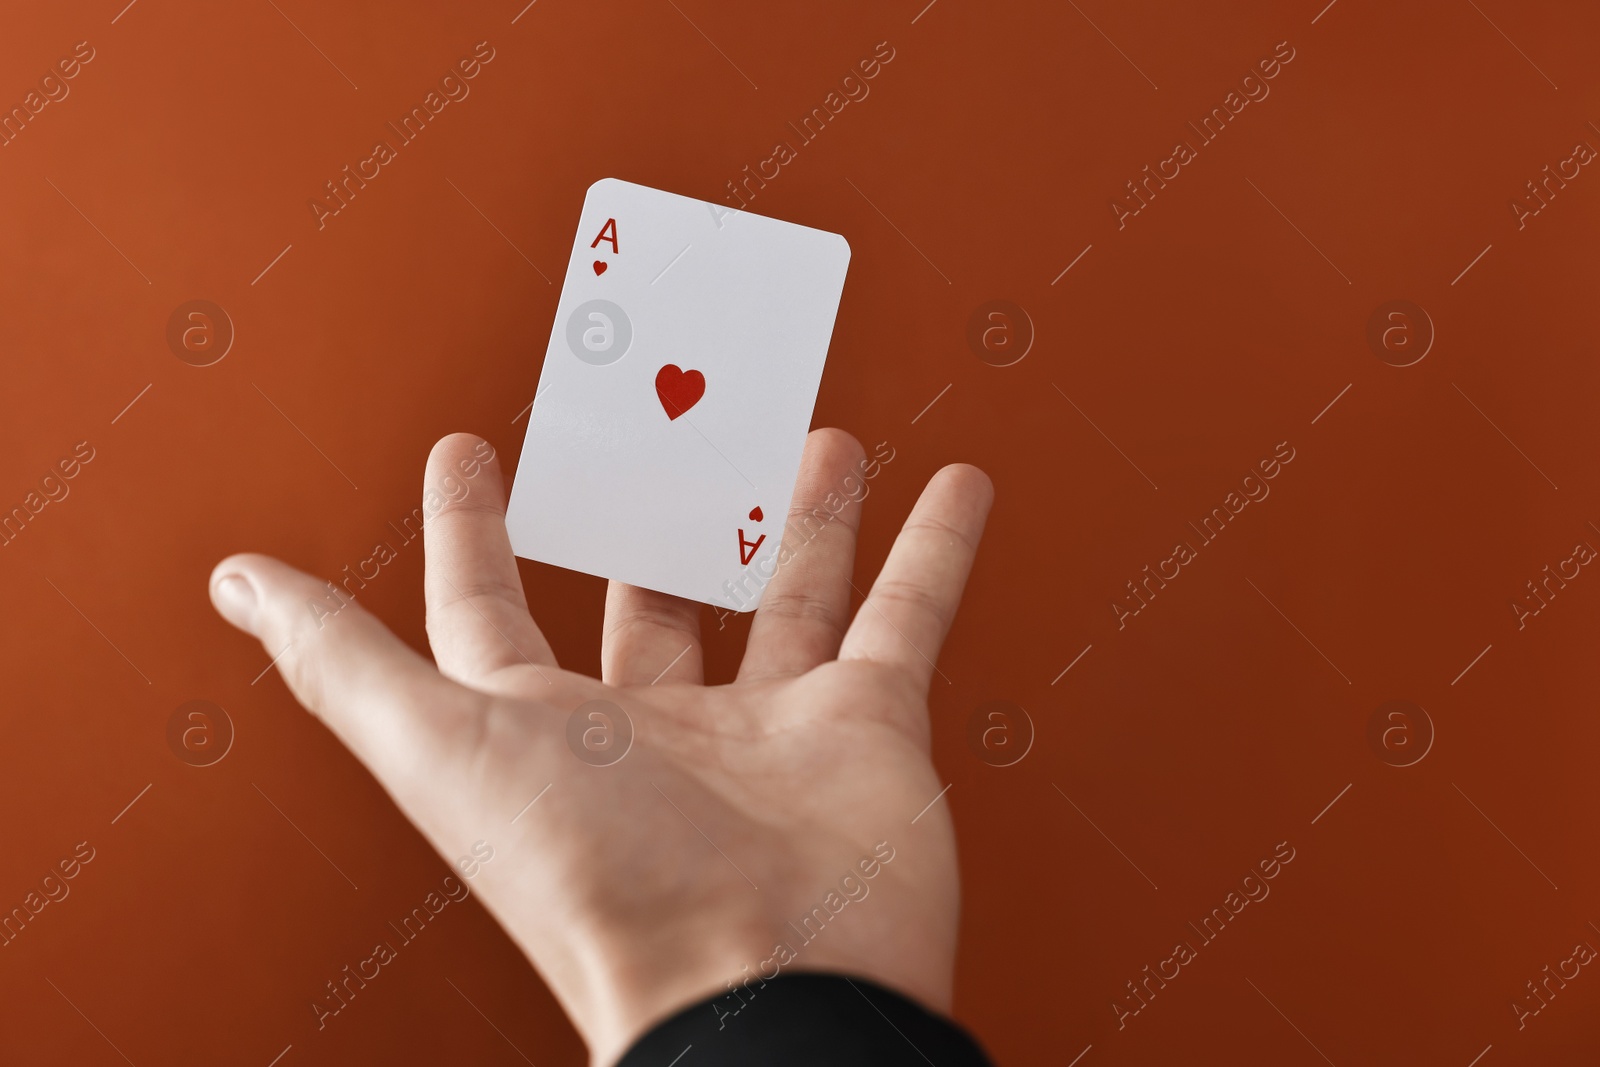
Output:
x=478 y=620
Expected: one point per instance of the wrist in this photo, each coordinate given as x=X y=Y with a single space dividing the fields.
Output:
x=631 y=984
x=836 y=1018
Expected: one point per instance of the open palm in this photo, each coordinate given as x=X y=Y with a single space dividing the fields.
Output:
x=672 y=837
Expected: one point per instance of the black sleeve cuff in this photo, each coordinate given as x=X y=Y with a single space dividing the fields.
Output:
x=807 y=1020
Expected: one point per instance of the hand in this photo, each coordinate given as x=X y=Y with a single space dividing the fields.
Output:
x=644 y=886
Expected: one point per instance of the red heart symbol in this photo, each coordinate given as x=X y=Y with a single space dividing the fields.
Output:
x=755 y=514
x=678 y=389
x=599 y=267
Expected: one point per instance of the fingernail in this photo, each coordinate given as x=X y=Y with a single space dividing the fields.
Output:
x=235 y=599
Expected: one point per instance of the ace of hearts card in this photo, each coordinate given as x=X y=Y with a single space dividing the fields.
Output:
x=676 y=394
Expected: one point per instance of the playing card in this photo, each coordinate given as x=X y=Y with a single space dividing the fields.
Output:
x=676 y=394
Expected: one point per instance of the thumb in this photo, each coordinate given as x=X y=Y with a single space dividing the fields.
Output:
x=388 y=705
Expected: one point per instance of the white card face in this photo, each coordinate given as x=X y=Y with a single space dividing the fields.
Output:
x=676 y=394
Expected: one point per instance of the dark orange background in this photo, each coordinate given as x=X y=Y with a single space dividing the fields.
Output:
x=1221 y=321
